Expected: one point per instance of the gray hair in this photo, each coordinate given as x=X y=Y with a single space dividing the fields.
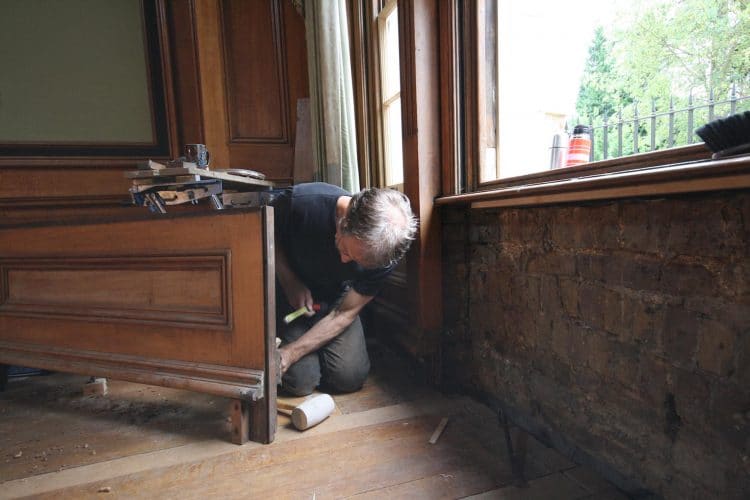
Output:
x=382 y=219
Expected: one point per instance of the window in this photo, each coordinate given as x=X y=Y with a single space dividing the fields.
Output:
x=640 y=75
x=390 y=95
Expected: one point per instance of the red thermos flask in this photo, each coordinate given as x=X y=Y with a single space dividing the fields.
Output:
x=579 y=148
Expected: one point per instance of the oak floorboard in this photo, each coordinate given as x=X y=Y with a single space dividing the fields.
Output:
x=149 y=442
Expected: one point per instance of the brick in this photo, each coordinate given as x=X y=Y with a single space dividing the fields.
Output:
x=484 y=233
x=592 y=305
x=605 y=234
x=699 y=464
x=561 y=340
x=644 y=227
x=718 y=235
x=588 y=478
x=551 y=263
x=614 y=313
x=686 y=278
x=734 y=282
x=645 y=319
x=454 y=215
x=592 y=267
x=534 y=227
x=598 y=354
x=730 y=415
x=692 y=393
x=512 y=230
x=550 y=303
x=652 y=379
x=569 y=291
x=679 y=340
x=483 y=256
x=638 y=272
x=742 y=376
x=625 y=365
x=453 y=236
x=563 y=227
x=716 y=348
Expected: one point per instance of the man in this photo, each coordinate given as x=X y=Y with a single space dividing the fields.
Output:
x=333 y=250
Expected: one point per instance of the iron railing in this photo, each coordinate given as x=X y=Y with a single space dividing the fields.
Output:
x=678 y=125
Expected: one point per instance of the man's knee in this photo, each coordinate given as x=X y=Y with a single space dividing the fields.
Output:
x=347 y=378
x=302 y=377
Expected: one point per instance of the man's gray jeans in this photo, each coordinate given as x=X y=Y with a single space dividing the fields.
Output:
x=341 y=365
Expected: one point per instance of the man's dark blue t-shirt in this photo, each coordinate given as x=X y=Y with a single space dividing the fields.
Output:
x=305 y=221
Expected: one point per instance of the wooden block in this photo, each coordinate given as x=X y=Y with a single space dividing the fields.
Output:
x=95 y=387
x=3 y=377
x=438 y=430
x=240 y=415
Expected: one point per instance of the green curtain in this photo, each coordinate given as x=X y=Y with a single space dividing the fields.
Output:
x=331 y=94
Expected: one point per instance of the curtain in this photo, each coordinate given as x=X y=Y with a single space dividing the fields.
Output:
x=331 y=93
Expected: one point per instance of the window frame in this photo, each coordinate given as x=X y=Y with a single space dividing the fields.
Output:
x=469 y=100
x=385 y=102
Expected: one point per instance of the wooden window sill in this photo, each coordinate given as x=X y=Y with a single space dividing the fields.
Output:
x=584 y=185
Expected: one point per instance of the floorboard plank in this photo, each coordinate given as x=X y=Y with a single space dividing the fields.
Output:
x=146 y=442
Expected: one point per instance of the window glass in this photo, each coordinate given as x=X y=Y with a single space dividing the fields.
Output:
x=640 y=75
x=390 y=95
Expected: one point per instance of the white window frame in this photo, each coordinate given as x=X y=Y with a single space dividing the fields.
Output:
x=386 y=102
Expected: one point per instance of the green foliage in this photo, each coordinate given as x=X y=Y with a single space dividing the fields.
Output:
x=600 y=93
x=662 y=50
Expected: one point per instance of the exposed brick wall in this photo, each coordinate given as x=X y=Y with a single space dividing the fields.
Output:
x=623 y=326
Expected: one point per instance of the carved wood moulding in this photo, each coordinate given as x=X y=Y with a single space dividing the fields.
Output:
x=186 y=290
x=232 y=382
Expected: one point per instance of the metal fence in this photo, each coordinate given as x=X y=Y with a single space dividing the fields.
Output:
x=659 y=129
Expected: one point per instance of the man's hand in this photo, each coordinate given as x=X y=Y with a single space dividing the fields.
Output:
x=298 y=295
x=296 y=292
x=286 y=362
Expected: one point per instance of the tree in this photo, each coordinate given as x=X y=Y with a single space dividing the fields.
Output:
x=600 y=93
x=662 y=50
x=690 y=46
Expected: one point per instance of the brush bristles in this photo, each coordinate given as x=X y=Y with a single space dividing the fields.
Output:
x=732 y=132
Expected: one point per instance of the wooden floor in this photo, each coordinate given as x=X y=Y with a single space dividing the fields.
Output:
x=150 y=442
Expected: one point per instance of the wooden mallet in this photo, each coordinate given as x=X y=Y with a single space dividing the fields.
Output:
x=309 y=413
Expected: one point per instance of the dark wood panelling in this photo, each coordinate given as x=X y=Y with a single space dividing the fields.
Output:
x=257 y=99
x=180 y=301
x=265 y=74
x=54 y=186
x=127 y=312
x=101 y=288
x=186 y=71
x=194 y=70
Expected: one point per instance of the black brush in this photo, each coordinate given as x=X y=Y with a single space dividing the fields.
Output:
x=728 y=136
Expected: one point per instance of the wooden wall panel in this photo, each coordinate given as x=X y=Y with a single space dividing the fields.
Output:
x=224 y=62
x=168 y=287
x=256 y=86
x=180 y=301
x=102 y=288
x=265 y=75
x=34 y=188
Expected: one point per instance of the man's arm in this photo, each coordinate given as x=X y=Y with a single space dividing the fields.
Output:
x=324 y=330
x=296 y=292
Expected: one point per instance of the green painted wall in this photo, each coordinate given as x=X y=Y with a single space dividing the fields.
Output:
x=73 y=71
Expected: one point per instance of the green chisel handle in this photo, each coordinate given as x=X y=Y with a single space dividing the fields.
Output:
x=299 y=312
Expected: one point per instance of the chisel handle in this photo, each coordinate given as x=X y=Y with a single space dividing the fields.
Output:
x=299 y=312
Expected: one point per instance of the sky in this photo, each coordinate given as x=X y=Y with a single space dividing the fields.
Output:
x=542 y=59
